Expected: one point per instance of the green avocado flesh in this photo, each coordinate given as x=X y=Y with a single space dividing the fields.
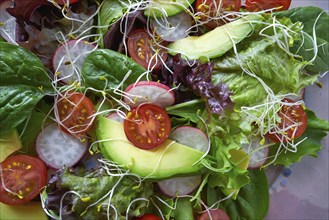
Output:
x=169 y=159
x=215 y=42
x=9 y=143
x=164 y=8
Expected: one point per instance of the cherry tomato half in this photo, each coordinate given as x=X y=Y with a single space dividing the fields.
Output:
x=148 y=217
x=290 y=115
x=211 y=8
x=63 y=2
x=216 y=214
x=75 y=111
x=147 y=126
x=23 y=177
x=258 y=5
x=144 y=50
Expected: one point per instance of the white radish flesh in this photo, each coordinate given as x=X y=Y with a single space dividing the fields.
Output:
x=257 y=152
x=68 y=60
x=58 y=149
x=116 y=117
x=190 y=136
x=179 y=186
x=174 y=27
x=7 y=23
x=149 y=92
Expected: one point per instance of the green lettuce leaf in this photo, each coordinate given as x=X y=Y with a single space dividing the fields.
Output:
x=187 y=110
x=95 y=191
x=315 y=132
x=317 y=19
x=226 y=135
x=253 y=199
x=24 y=81
x=268 y=64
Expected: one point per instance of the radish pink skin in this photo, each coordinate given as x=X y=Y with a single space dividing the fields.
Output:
x=151 y=83
x=46 y=162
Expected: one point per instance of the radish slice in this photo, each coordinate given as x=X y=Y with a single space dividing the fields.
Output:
x=258 y=153
x=194 y=138
x=190 y=136
x=116 y=117
x=68 y=60
x=58 y=149
x=8 y=26
x=179 y=186
x=149 y=92
x=174 y=27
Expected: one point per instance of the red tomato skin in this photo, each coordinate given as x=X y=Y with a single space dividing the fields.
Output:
x=79 y=121
x=216 y=214
x=140 y=49
x=147 y=126
x=29 y=177
x=258 y=5
x=148 y=217
x=287 y=114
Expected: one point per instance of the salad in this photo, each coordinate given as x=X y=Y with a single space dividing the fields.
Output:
x=149 y=109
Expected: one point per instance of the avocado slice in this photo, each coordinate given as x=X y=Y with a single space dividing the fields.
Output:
x=169 y=159
x=9 y=143
x=160 y=8
x=215 y=42
x=30 y=210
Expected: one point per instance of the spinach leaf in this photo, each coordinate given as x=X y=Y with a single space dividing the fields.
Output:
x=23 y=83
x=106 y=69
x=315 y=122
x=252 y=201
x=32 y=126
x=183 y=209
x=308 y=16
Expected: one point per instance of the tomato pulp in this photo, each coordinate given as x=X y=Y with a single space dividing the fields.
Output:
x=145 y=51
x=210 y=9
x=22 y=178
x=293 y=122
x=147 y=126
x=75 y=112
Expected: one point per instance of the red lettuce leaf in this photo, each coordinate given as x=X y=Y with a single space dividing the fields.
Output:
x=195 y=79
